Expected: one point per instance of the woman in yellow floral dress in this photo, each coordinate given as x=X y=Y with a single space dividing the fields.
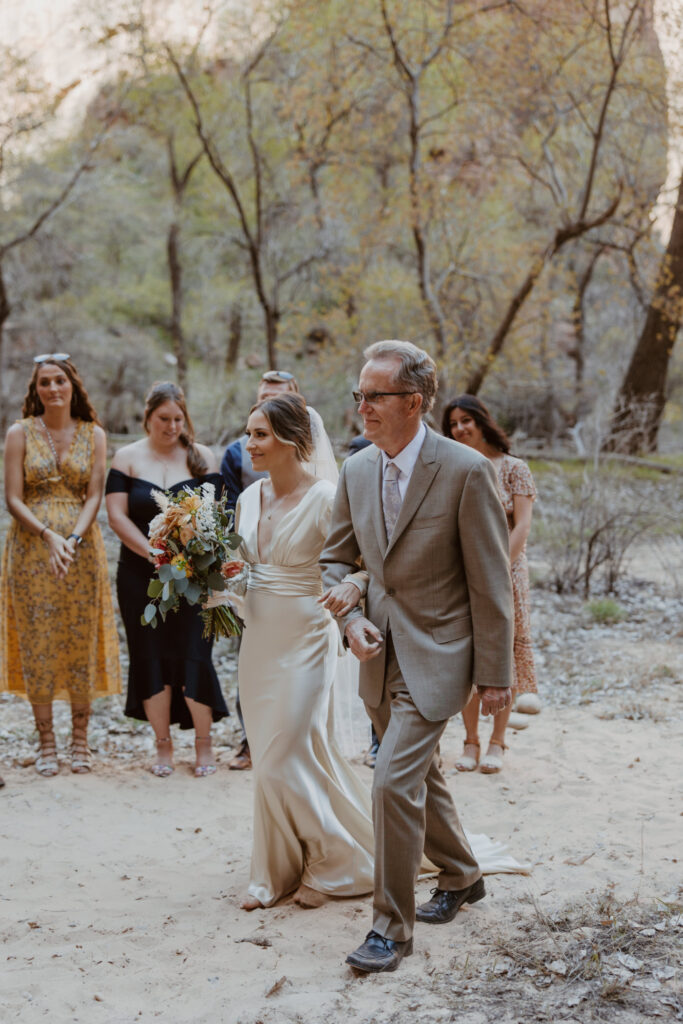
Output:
x=466 y=419
x=58 y=636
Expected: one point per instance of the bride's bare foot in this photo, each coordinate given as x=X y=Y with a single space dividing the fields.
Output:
x=307 y=898
x=251 y=903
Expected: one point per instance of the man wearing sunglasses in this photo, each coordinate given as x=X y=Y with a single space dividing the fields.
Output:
x=424 y=514
x=238 y=472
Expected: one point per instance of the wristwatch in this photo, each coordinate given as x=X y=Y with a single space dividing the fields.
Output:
x=75 y=536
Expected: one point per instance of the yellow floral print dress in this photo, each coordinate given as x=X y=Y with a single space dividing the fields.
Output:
x=57 y=637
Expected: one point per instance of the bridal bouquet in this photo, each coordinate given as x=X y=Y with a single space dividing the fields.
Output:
x=192 y=542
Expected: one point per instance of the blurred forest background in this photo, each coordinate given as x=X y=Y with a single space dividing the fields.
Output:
x=281 y=183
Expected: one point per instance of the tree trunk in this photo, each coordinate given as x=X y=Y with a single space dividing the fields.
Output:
x=642 y=396
x=176 y=277
x=271 y=317
x=234 y=337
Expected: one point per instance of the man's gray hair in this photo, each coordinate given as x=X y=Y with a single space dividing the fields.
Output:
x=417 y=370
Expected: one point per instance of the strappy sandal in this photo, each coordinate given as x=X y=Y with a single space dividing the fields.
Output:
x=493 y=762
x=202 y=770
x=47 y=764
x=81 y=758
x=162 y=771
x=468 y=761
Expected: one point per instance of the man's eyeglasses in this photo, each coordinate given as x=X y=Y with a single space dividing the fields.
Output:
x=50 y=357
x=375 y=397
x=277 y=376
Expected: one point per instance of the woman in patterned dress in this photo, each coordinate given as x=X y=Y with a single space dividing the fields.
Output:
x=466 y=419
x=58 y=636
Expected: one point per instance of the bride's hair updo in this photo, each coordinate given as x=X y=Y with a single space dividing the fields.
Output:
x=288 y=418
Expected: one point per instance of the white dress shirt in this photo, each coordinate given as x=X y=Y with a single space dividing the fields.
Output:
x=406 y=459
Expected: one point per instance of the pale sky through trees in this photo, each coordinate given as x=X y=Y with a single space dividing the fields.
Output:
x=52 y=31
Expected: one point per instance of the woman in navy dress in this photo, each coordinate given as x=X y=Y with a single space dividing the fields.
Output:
x=171 y=678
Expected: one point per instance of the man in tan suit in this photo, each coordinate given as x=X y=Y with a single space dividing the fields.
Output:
x=424 y=515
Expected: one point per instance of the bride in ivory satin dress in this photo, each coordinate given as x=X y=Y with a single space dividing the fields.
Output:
x=312 y=824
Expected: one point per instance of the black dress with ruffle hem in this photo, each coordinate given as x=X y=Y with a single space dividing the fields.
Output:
x=175 y=653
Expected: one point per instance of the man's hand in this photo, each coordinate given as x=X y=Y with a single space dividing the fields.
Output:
x=494 y=699
x=365 y=640
x=339 y=600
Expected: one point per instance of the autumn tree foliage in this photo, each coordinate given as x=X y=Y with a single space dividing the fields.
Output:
x=287 y=184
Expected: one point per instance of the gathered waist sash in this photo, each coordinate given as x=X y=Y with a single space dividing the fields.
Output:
x=285 y=581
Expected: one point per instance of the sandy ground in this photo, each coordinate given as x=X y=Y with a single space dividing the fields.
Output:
x=119 y=893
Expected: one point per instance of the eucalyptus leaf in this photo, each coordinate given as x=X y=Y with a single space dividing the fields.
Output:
x=149 y=613
x=193 y=592
x=205 y=560
x=181 y=585
x=178 y=573
x=154 y=589
x=165 y=572
x=216 y=581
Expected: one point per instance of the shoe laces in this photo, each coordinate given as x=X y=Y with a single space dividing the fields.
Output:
x=376 y=935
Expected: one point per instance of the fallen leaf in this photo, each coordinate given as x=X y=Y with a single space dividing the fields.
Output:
x=277 y=986
x=580 y=860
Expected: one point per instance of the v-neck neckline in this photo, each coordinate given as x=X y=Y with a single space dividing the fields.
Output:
x=59 y=464
x=280 y=521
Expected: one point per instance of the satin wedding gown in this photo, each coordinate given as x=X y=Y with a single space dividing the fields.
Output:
x=312 y=817
x=312 y=814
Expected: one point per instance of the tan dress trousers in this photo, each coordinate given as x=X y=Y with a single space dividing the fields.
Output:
x=412 y=808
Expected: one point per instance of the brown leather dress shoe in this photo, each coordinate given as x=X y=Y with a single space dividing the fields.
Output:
x=445 y=903
x=242 y=759
x=379 y=954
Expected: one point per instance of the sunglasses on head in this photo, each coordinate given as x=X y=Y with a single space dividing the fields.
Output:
x=49 y=357
x=277 y=376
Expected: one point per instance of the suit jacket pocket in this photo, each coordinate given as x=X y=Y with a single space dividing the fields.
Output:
x=427 y=522
x=454 y=630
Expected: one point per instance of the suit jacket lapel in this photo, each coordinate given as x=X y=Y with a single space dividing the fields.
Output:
x=420 y=481
x=375 y=495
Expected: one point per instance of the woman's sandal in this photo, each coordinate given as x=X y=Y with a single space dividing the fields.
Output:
x=81 y=761
x=469 y=759
x=163 y=770
x=47 y=764
x=202 y=770
x=493 y=762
